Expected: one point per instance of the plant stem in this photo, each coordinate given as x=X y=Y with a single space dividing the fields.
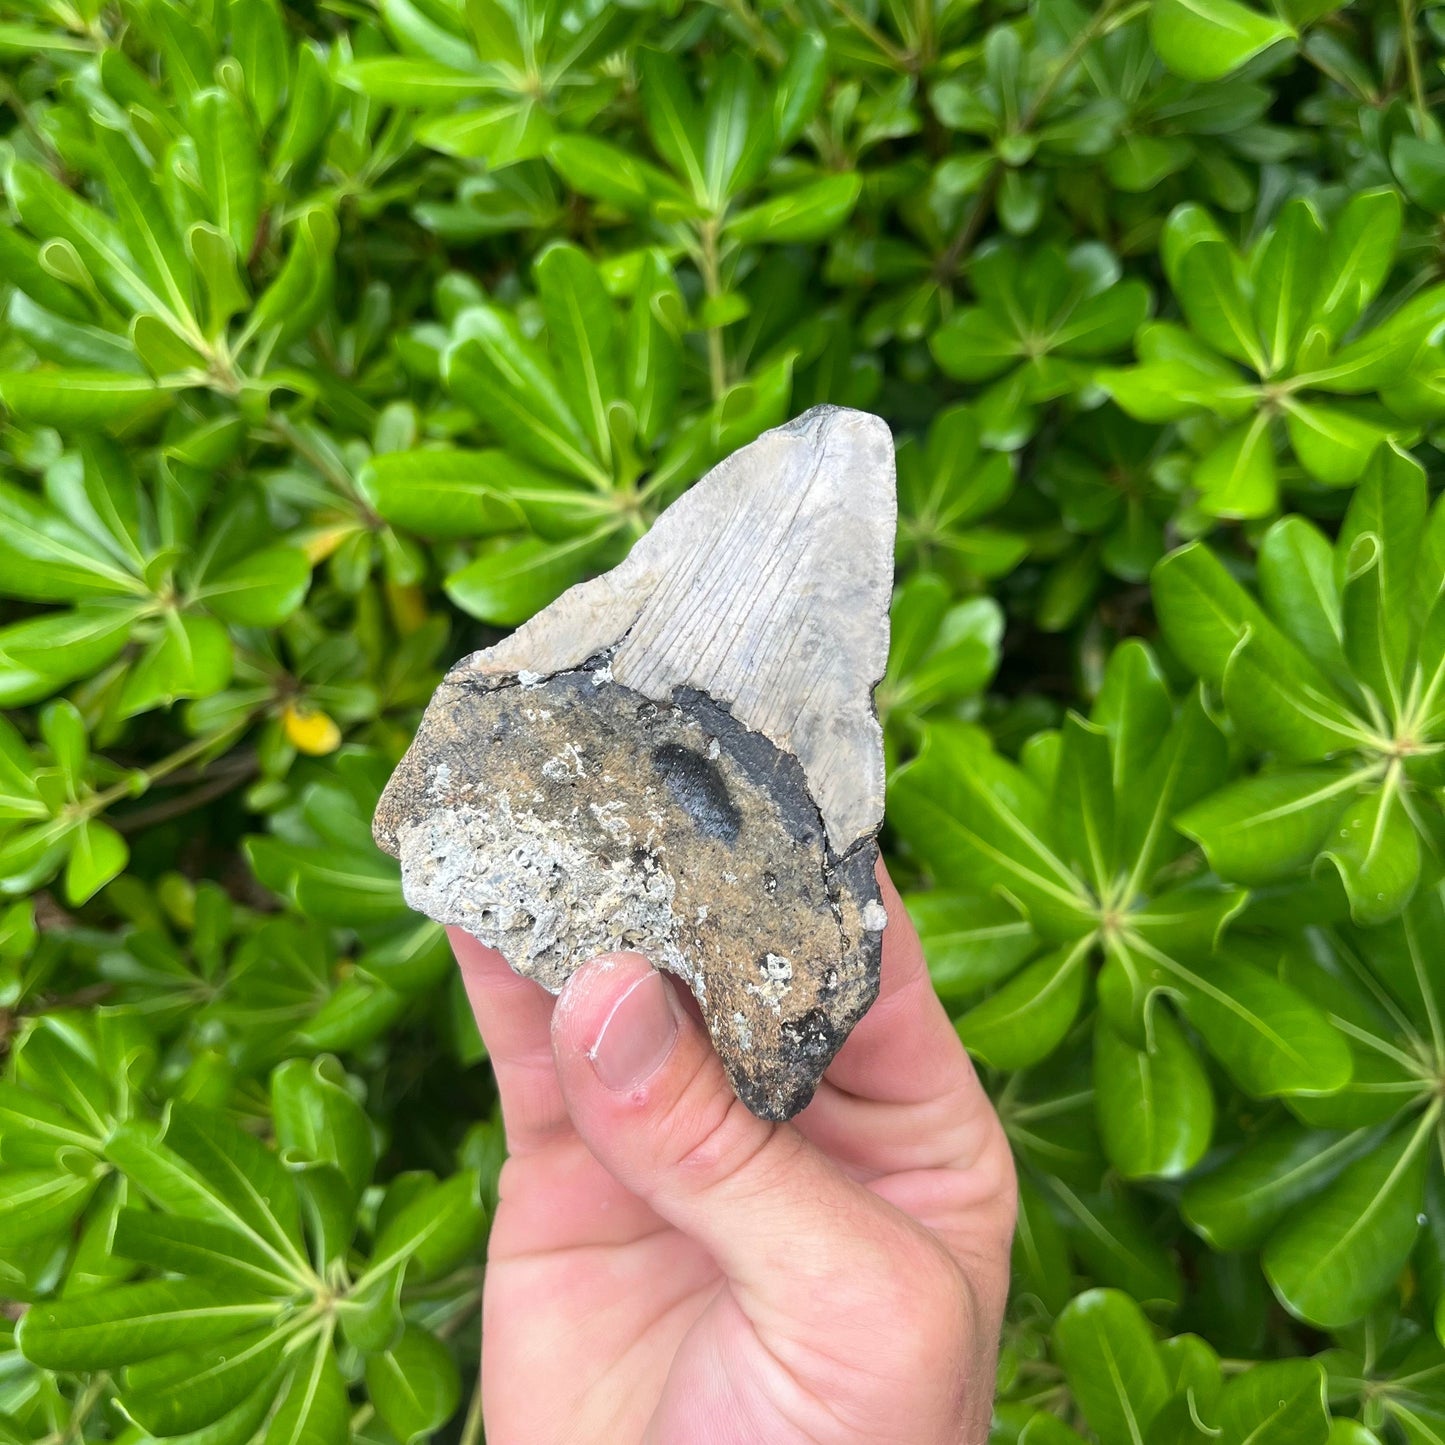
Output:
x=98 y=1385
x=99 y=802
x=712 y=285
x=472 y=1428
x=768 y=44
x=873 y=34
x=1412 y=64
x=284 y=428
x=215 y=786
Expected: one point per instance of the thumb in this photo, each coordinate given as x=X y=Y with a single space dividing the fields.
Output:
x=649 y=1097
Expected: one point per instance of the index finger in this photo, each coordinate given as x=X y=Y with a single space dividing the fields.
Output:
x=514 y=1017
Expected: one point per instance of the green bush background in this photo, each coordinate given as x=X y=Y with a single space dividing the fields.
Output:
x=337 y=340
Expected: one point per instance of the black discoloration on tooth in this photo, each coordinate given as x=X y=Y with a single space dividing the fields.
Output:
x=697 y=785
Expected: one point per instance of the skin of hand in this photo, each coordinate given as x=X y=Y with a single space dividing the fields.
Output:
x=665 y=1268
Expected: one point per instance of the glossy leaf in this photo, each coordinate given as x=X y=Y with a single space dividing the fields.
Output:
x=1112 y=1365
x=1155 y=1106
x=1334 y=1259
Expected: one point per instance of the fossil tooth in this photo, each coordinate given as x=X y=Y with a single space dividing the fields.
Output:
x=682 y=757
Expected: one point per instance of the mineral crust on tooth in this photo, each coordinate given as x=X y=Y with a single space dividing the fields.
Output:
x=682 y=757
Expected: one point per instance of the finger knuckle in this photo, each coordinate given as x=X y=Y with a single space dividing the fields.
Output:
x=717 y=1138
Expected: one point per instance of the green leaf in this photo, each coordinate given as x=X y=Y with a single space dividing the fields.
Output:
x=137 y=1322
x=1286 y=271
x=317 y=1118
x=975 y=345
x=418 y=33
x=81 y=398
x=370 y=1316
x=146 y=228
x=313 y=1409
x=289 y=306
x=1117 y=1244
x=63 y=729
x=652 y=349
x=672 y=118
x=447 y=493
x=737 y=130
x=1203 y=611
x=191 y=657
x=51 y=211
x=504 y=131
x=971 y=941
x=1040 y=1253
x=1297 y=584
x=980 y=822
x=1207 y=39
x=1178 y=376
x=1264 y=828
x=229 y=164
x=261 y=590
x=1383 y=356
x=1112 y=1365
x=1333 y=445
x=1376 y=849
x=97 y=854
x=1279 y=1402
x=1268 y=1036
x=1210 y=282
x=507 y=583
x=1358 y=257
x=505 y=379
x=1154 y=1105
x=1083 y=801
x=1237 y=476
x=582 y=328
x=20 y=263
x=809 y=213
x=800 y=87
x=1278 y=703
x=1134 y=708
x=208 y=1168
x=414 y=1385
x=408 y=80
x=1048 y=1430
x=259 y=43
x=39 y=1202
x=217 y=265
x=308 y=112
x=1351 y=1432
x=33 y=1129
x=187 y=1245
x=194 y=1387
x=609 y=173
x=433 y=1232
x=1026 y=1019
x=1236 y=1206
x=1331 y=1261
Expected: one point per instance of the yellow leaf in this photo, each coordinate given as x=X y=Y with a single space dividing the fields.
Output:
x=324 y=541
x=408 y=607
x=313 y=733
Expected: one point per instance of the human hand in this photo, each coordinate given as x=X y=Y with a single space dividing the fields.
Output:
x=667 y=1269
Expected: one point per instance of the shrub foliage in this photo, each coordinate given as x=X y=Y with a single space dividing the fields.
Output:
x=337 y=339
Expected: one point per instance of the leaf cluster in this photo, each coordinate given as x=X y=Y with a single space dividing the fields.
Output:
x=336 y=340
